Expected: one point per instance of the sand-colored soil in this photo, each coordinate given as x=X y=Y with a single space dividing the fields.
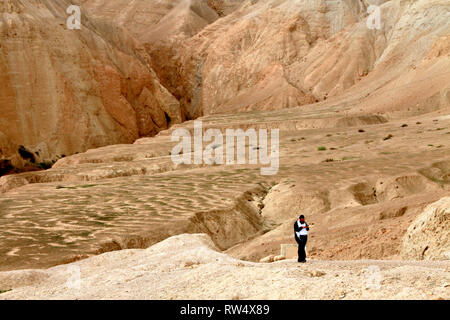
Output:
x=361 y=194
x=189 y=266
x=364 y=123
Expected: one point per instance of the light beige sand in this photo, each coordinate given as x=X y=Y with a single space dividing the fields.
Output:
x=188 y=266
x=364 y=149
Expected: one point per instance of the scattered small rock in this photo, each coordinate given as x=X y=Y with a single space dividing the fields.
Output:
x=267 y=259
x=190 y=264
x=317 y=273
x=390 y=136
x=340 y=293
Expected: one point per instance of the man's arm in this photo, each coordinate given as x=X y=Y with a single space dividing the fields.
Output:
x=296 y=229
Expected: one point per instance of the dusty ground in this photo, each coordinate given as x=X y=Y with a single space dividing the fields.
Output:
x=363 y=197
x=189 y=266
x=137 y=67
x=364 y=120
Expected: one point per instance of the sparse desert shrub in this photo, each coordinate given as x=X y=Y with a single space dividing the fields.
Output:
x=321 y=148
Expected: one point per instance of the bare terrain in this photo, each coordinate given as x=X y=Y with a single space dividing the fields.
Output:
x=364 y=153
x=362 y=192
x=189 y=266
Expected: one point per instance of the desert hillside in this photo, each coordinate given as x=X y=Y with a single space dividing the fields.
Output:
x=136 y=67
x=364 y=129
x=190 y=266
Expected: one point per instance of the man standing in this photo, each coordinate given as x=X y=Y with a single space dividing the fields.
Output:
x=301 y=229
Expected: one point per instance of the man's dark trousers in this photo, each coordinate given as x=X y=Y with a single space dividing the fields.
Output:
x=301 y=248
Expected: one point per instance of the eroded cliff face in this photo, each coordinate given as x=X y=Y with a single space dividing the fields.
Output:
x=230 y=56
x=136 y=67
x=281 y=54
x=64 y=91
x=428 y=238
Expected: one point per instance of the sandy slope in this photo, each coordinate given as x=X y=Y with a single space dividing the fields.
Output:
x=364 y=130
x=362 y=193
x=188 y=266
x=137 y=67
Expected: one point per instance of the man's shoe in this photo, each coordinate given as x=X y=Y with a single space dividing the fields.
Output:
x=302 y=261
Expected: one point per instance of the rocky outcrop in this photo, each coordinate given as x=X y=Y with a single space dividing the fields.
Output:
x=428 y=237
x=281 y=54
x=136 y=67
x=227 y=57
x=64 y=91
x=168 y=269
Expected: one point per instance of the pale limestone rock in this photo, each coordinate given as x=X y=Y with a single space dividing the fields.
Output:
x=64 y=91
x=160 y=272
x=317 y=273
x=268 y=259
x=137 y=67
x=428 y=237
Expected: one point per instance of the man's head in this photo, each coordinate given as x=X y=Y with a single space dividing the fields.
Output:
x=301 y=218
